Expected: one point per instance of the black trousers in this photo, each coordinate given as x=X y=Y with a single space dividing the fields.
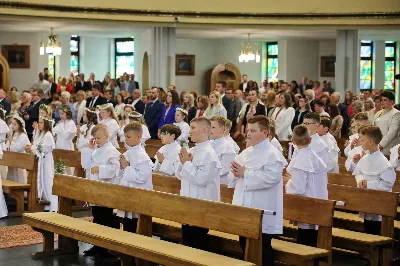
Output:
x=267 y=251
x=104 y=216
x=130 y=225
x=372 y=227
x=307 y=237
x=195 y=237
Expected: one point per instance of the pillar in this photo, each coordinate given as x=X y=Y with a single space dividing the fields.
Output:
x=378 y=68
x=347 y=70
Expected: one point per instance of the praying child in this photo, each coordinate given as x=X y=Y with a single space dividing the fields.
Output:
x=199 y=172
x=333 y=149
x=135 y=170
x=101 y=163
x=395 y=157
x=225 y=152
x=358 y=120
x=304 y=169
x=167 y=157
x=180 y=119
x=256 y=175
x=373 y=171
x=355 y=154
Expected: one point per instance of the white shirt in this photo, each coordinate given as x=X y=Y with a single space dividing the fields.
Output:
x=333 y=154
x=200 y=178
x=171 y=162
x=394 y=157
x=261 y=187
x=184 y=137
x=233 y=143
x=348 y=148
x=226 y=154
x=349 y=164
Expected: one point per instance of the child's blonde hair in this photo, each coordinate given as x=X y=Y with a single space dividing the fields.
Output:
x=136 y=116
x=109 y=108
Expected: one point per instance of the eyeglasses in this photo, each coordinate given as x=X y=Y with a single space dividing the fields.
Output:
x=307 y=124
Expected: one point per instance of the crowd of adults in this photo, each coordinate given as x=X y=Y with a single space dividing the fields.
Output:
x=286 y=103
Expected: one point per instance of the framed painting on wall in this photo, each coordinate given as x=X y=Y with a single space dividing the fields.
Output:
x=184 y=65
x=328 y=66
x=18 y=56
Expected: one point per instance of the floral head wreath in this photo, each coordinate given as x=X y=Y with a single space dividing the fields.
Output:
x=182 y=110
x=91 y=111
x=17 y=117
x=45 y=107
x=66 y=109
x=105 y=106
x=133 y=115
x=48 y=120
x=4 y=111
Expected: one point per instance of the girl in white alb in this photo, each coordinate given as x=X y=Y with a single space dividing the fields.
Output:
x=16 y=142
x=42 y=147
x=44 y=111
x=109 y=118
x=84 y=132
x=180 y=119
x=122 y=123
x=395 y=157
x=135 y=116
x=4 y=129
x=64 y=132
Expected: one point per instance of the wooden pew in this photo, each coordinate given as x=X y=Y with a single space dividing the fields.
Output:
x=16 y=190
x=286 y=252
x=218 y=216
x=71 y=158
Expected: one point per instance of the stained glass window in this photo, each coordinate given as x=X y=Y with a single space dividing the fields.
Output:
x=390 y=62
x=366 y=65
x=51 y=65
x=272 y=61
x=74 y=60
x=124 y=56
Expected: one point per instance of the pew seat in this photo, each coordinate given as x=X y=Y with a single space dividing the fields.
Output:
x=143 y=247
x=15 y=190
x=285 y=252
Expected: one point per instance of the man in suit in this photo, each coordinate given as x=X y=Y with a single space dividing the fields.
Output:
x=134 y=83
x=53 y=87
x=92 y=79
x=43 y=84
x=335 y=99
x=3 y=101
x=221 y=88
x=135 y=101
x=238 y=103
x=108 y=95
x=153 y=112
x=304 y=85
x=32 y=114
x=243 y=85
x=310 y=94
x=82 y=84
x=96 y=98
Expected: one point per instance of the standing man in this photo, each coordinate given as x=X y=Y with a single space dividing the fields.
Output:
x=238 y=103
x=304 y=85
x=134 y=84
x=388 y=120
x=243 y=85
x=92 y=80
x=135 y=101
x=96 y=99
x=4 y=102
x=109 y=95
x=328 y=88
x=46 y=73
x=125 y=84
x=221 y=88
x=32 y=114
x=153 y=112
x=43 y=84
x=82 y=84
x=335 y=99
x=53 y=86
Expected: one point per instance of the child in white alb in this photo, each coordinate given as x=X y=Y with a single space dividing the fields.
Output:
x=109 y=118
x=333 y=149
x=355 y=154
x=228 y=127
x=395 y=157
x=167 y=157
x=225 y=152
x=137 y=117
x=180 y=119
x=84 y=132
x=4 y=129
x=272 y=136
x=304 y=169
x=135 y=170
x=373 y=171
x=359 y=120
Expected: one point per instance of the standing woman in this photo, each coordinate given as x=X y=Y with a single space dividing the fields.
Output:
x=188 y=106
x=283 y=117
x=42 y=147
x=119 y=107
x=202 y=105
x=215 y=108
x=168 y=111
x=348 y=99
x=270 y=102
x=337 y=121
x=80 y=105
x=302 y=110
x=63 y=86
x=15 y=102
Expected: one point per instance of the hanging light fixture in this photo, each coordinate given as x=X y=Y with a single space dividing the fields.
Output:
x=247 y=54
x=53 y=46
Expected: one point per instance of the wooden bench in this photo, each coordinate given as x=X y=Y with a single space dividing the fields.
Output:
x=286 y=252
x=16 y=190
x=71 y=158
x=214 y=215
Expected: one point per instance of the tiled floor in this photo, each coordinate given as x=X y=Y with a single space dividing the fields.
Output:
x=21 y=256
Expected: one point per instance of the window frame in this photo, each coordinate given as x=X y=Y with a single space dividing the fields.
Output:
x=116 y=54
x=78 y=39
x=391 y=59
x=365 y=58
x=272 y=57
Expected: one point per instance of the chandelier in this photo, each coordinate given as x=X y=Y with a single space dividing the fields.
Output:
x=53 y=46
x=247 y=54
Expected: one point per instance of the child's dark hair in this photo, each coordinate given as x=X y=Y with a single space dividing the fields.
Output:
x=67 y=110
x=185 y=116
x=301 y=135
x=171 y=129
x=314 y=116
x=326 y=122
x=91 y=117
x=372 y=132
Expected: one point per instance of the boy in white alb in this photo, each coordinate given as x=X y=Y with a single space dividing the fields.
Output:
x=101 y=161
x=304 y=169
x=167 y=157
x=333 y=149
x=257 y=178
x=272 y=136
x=225 y=152
x=395 y=157
x=359 y=120
x=373 y=171
x=228 y=126
x=135 y=170
x=355 y=154
x=199 y=172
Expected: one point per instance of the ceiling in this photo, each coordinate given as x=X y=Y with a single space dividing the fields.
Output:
x=108 y=29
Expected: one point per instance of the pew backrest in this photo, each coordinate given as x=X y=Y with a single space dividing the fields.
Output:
x=71 y=159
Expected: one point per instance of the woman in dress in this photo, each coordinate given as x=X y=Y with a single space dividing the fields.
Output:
x=188 y=106
x=337 y=121
x=120 y=105
x=317 y=90
x=15 y=102
x=215 y=108
x=302 y=109
x=283 y=117
x=17 y=139
x=63 y=86
x=202 y=105
x=42 y=147
x=26 y=103
x=168 y=111
x=109 y=118
x=80 y=105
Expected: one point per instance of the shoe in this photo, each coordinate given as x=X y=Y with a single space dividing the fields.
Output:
x=105 y=254
x=93 y=251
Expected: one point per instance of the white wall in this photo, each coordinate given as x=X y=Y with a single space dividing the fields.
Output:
x=96 y=56
x=326 y=48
